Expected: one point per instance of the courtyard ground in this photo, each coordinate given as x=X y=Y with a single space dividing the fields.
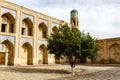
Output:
x=60 y=72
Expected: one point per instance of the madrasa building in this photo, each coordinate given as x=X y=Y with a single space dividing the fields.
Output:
x=23 y=34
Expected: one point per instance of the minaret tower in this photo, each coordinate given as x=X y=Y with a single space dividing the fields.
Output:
x=74 y=19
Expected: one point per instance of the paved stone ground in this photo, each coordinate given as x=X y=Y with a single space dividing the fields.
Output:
x=60 y=72
x=112 y=74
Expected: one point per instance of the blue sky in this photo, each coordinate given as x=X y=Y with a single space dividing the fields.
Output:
x=101 y=18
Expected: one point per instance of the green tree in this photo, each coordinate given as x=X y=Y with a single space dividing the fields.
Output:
x=72 y=44
x=89 y=48
x=66 y=43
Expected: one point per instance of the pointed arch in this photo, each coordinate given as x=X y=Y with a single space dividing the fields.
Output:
x=27 y=28
x=55 y=30
x=100 y=54
x=43 y=55
x=42 y=30
x=8 y=42
x=113 y=45
x=28 y=20
x=9 y=52
x=10 y=16
x=27 y=54
x=114 y=52
x=8 y=23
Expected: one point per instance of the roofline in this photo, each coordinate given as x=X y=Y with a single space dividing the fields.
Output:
x=29 y=9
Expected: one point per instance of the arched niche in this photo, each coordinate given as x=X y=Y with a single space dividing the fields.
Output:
x=7 y=55
x=55 y=30
x=8 y=23
x=100 y=55
x=42 y=55
x=114 y=52
x=26 y=54
x=42 y=30
x=27 y=27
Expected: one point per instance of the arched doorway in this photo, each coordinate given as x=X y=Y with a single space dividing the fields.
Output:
x=115 y=53
x=7 y=55
x=43 y=31
x=55 y=30
x=26 y=54
x=8 y=23
x=43 y=55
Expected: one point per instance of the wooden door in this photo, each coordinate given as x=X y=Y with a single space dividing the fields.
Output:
x=2 y=58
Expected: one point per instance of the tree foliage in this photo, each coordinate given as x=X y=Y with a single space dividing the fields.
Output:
x=89 y=48
x=72 y=44
x=66 y=43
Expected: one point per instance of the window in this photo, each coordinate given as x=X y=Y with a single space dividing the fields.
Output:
x=77 y=23
x=11 y=30
x=44 y=34
x=73 y=23
x=54 y=31
x=30 y=32
x=3 y=28
x=23 y=31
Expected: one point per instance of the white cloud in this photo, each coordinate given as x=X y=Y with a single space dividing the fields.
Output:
x=101 y=18
x=102 y=21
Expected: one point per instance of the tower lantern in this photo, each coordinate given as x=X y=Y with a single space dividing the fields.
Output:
x=74 y=18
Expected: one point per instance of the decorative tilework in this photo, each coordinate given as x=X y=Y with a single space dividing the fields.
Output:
x=54 y=24
x=24 y=40
x=6 y=37
x=43 y=21
x=40 y=42
x=28 y=16
x=6 y=10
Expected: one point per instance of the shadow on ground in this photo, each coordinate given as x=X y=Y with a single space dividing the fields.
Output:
x=34 y=70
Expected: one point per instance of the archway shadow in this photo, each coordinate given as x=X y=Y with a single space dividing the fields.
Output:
x=36 y=70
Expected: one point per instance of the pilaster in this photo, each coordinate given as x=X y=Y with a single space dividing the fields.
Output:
x=105 y=51
x=35 y=47
x=0 y=18
x=17 y=39
x=19 y=36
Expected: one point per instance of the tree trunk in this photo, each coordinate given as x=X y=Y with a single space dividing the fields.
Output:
x=72 y=63
x=73 y=71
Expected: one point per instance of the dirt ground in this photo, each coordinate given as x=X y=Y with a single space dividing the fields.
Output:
x=45 y=72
